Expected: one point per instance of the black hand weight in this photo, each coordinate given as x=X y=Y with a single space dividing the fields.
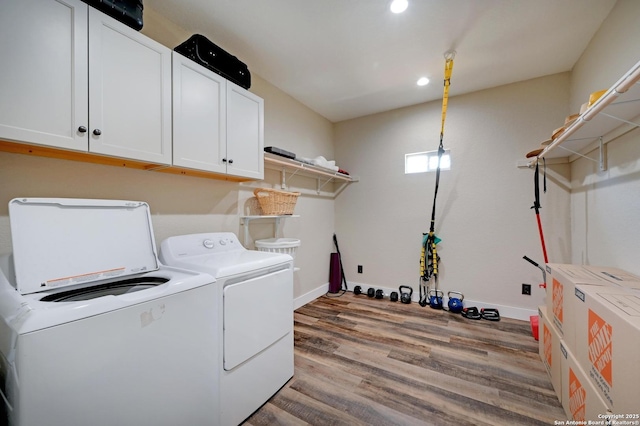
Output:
x=405 y=297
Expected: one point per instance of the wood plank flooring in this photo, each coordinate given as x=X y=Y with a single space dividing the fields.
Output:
x=362 y=361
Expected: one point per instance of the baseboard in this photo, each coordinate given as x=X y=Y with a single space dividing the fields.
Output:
x=310 y=296
x=505 y=311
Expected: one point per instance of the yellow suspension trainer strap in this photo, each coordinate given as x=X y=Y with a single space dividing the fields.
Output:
x=429 y=255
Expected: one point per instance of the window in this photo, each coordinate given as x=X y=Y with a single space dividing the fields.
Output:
x=420 y=162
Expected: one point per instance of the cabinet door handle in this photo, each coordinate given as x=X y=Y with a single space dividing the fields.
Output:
x=97 y=132
x=82 y=129
x=224 y=160
x=230 y=161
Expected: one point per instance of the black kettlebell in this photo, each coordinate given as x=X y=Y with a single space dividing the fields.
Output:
x=371 y=292
x=405 y=297
x=379 y=294
x=393 y=296
x=455 y=303
x=357 y=290
x=435 y=299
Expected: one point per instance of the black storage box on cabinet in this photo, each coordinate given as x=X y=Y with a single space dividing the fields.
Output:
x=200 y=49
x=129 y=12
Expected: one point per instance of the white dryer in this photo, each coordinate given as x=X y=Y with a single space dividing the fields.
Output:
x=93 y=330
x=255 y=315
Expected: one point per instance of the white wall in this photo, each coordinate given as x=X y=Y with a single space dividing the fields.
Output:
x=606 y=205
x=483 y=207
x=181 y=204
x=483 y=215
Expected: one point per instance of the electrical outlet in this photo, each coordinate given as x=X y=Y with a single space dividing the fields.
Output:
x=359 y=269
x=526 y=289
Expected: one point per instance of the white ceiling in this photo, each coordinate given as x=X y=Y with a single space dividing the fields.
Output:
x=350 y=58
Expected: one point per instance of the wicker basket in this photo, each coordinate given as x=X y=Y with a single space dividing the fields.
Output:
x=275 y=202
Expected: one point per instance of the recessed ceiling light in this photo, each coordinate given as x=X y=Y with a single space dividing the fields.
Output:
x=423 y=81
x=399 y=6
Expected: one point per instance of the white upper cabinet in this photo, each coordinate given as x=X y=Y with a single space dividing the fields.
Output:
x=245 y=133
x=77 y=79
x=218 y=125
x=43 y=76
x=129 y=92
x=199 y=116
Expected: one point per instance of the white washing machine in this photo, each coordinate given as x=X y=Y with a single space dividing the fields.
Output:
x=255 y=314
x=93 y=330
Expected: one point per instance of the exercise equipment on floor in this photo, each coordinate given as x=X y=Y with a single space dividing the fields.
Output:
x=471 y=312
x=435 y=298
x=489 y=314
x=429 y=256
x=405 y=296
x=455 y=303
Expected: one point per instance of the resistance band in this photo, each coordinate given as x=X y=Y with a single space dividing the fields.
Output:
x=429 y=255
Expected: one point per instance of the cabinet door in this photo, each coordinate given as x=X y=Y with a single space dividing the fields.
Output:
x=245 y=133
x=43 y=76
x=199 y=116
x=129 y=92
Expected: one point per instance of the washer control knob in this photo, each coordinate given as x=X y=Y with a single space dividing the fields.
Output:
x=223 y=242
x=208 y=244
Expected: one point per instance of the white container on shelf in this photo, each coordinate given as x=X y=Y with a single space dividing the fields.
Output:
x=279 y=245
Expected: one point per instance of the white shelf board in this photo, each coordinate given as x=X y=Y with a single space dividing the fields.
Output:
x=615 y=113
x=277 y=162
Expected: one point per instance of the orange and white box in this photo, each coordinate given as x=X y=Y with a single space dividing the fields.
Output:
x=549 y=350
x=561 y=282
x=615 y=276
x=580 y=400
x=608 y=344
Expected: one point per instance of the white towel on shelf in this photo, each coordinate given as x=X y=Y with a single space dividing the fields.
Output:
x=319 y=161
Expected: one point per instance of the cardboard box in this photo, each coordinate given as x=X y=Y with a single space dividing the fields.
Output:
x=580 y=399
x=549 y=350
x=608 y=343
x=561 y=282
x=615 y=276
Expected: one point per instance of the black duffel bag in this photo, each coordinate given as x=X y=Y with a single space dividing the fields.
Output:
x=203 y=51
x=129 y=12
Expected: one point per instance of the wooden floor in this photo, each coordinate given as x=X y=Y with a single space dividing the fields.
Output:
x=362 y=361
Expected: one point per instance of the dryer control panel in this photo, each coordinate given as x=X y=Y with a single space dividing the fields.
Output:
x=183 y=246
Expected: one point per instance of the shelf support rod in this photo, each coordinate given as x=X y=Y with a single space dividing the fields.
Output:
x=277 y=230
x=322 y=186
x=577 y=153
x=603 y=155
x=245 y=225
x=620 y=119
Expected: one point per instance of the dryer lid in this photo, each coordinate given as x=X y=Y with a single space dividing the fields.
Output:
x=60 y=242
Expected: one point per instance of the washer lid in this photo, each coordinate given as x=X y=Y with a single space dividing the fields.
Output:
x=61 y=242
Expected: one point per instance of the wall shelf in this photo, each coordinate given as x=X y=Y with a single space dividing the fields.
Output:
x=293 y=167
x=615 y=113
x=245 y=220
